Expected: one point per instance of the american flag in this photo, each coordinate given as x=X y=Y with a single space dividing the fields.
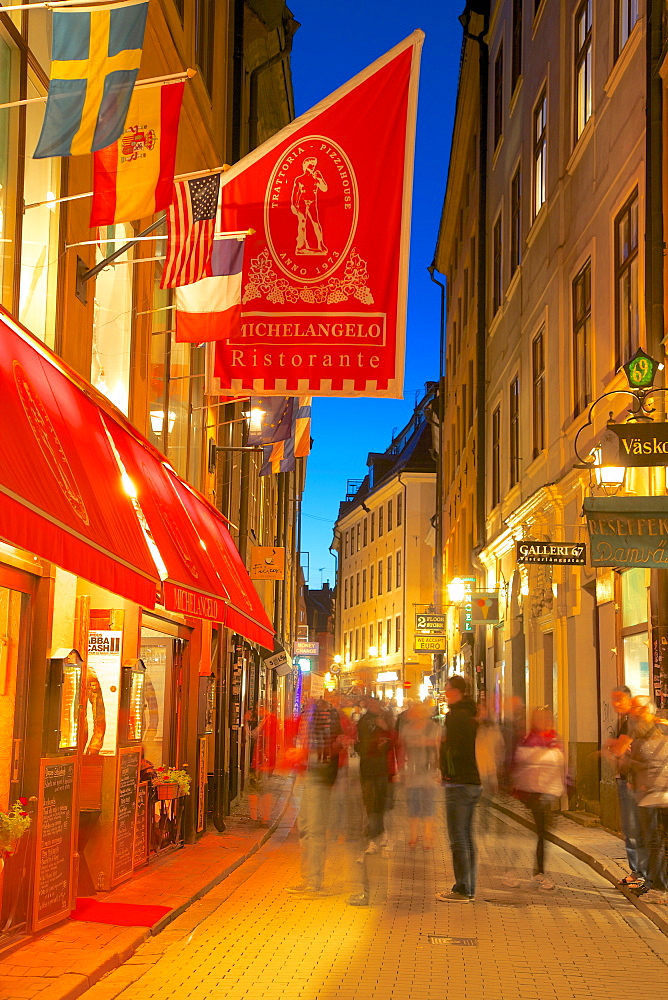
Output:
x=191 y=221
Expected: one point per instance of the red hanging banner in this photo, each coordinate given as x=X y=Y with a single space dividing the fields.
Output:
x=323 y=299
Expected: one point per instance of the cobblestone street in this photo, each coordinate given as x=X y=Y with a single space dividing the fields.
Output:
x=249 y=938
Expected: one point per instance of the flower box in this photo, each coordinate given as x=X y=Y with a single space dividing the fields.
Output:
x=167 y=790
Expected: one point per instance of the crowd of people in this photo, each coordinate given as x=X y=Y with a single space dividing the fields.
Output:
x=377 y=749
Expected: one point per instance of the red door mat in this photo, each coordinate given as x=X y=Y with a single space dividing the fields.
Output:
x=121 y=914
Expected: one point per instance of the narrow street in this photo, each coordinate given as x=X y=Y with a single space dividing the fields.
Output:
x=250 y=938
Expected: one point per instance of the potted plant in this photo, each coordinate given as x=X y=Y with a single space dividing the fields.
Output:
x=13 y=824
x=170 y=782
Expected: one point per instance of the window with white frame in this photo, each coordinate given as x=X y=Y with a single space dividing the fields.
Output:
x=626 y=15
x=540 y=153
x=583 y=66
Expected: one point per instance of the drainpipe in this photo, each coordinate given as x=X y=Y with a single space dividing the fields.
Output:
x=438 y=561
x=654 y=253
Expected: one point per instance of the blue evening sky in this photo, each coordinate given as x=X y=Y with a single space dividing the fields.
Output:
x=336 y=40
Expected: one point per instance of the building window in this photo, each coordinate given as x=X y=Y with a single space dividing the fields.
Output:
x=380 y=638
x=470 y=413
x=357 y=644
x=380 y=578
x=372 y=570
x=497 y=267
x=583 y=80
x=345 y=595
x=205 y=39
x=465 y=298
x=397 y=634
x=352 y=541
x=582 y=338
x=371 y=634
x=498 y=96
x=538 y=375
x=357 y=589
x=345 y=544
x=359 y=534
x=540 y=154
x=398 y=568
x=112 y=320
x=515 y=221
x=388 y=636
x=514 y=429
x=626 y=15
x=381 y=511
x=365 y=532
x=363 y=585
x=626 y=281
x=634 y=619
x=389 y=515
x=400 y=508
x=516 y=62
x=496 y=459
x=373 y=526
x=389 y=573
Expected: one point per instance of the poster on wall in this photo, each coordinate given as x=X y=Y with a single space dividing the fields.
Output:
x=103 y=682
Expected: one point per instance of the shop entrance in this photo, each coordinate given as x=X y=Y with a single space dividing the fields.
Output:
x=16 y=590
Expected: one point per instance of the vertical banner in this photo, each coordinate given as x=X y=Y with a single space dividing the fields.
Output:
x=324 y=285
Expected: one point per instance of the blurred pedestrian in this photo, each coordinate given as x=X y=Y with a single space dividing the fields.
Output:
x=263 y=763
x=375 y=745
x=617 y=751
x=539 y=780
x=649 y=763
x=419 y=739
x=318 y=743
x=462 y=788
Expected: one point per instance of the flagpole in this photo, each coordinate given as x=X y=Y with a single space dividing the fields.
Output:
x=53 y=5
x=237 y=234
x=152 y=81
x=193 y=175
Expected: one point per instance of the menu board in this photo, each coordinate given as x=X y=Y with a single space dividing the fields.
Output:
x=140 y=855
x=202 y=778
x=127 y=778
x=55 y=832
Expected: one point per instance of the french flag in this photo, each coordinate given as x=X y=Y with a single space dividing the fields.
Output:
x=210 y=309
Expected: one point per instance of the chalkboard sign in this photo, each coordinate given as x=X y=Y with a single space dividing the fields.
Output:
x=55 y=848
x=127 y=778
x=140 y=856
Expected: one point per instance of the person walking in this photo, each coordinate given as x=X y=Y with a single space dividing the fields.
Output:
x=539 y=781
x=617 y=751
x=649 y=763
x=462 y=788
x=375 y=747
x=419 y=740
x=318 y=743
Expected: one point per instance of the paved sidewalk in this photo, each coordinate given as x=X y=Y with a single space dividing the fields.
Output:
x=64 y=961
x=250 y=939
x=599 y=848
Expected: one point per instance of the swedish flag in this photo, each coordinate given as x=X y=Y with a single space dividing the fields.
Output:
x=95 y=55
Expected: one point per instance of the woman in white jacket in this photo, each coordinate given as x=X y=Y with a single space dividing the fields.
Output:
x=539 y=780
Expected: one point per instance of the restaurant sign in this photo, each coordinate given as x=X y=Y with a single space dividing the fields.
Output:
x=642 y=444
x=628 y=531
x=551 y=553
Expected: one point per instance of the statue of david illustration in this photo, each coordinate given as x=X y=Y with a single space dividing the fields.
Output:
x=304 y=204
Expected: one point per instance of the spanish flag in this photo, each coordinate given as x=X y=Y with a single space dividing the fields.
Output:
x=95 y=56
x=134 y=177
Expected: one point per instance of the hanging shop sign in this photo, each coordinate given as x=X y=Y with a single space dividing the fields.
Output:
x=429 y=644
x=466 y=613
x=280 y=659
x=628 y=531
x=485 y=608
x=302 y=648
x=267 y=563
x=551 y=553
x=430 y=624
x=642 y=444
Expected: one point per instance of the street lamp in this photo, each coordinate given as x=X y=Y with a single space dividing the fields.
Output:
x=610 y=476
x=373 y=650
x=456 y=590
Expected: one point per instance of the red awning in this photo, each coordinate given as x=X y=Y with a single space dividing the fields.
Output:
x=61 y=492
x=192 y=585
x=245 y=612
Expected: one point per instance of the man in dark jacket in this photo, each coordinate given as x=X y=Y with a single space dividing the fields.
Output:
x=462 y=788
x=375 y=742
